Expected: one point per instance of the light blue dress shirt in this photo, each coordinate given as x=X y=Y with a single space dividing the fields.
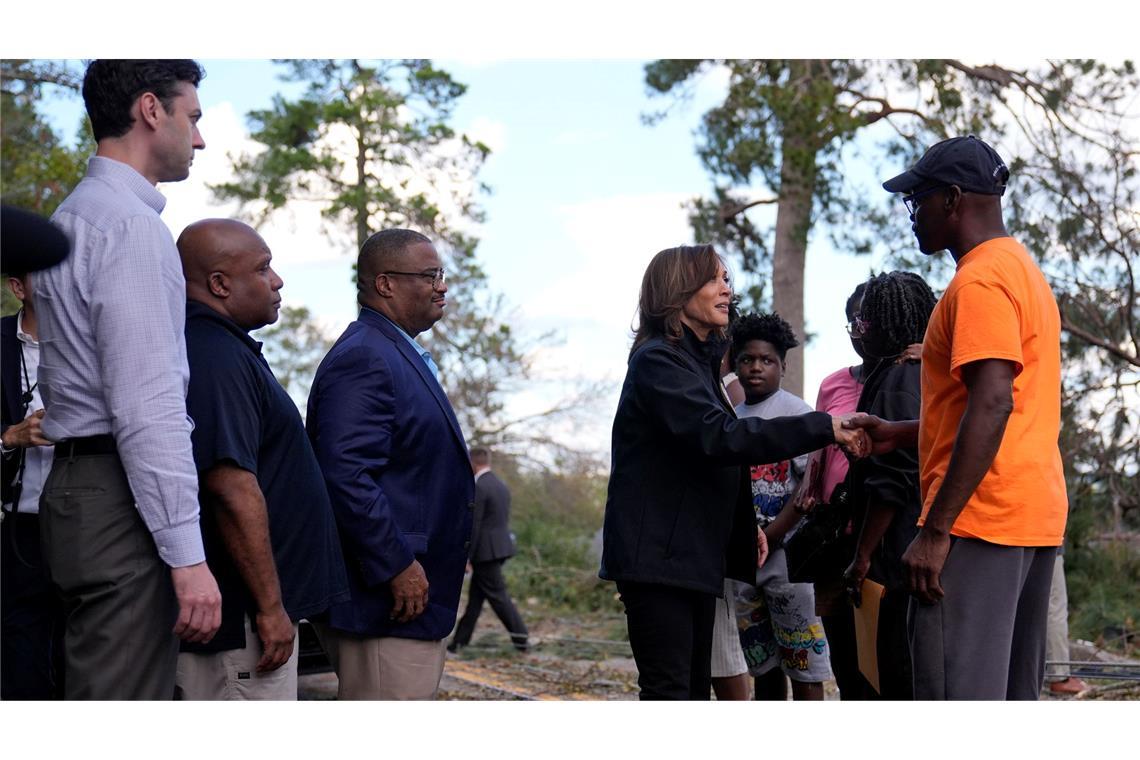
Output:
x=423 y=352
x=113 y=350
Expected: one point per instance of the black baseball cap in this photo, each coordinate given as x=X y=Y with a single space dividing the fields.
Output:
x=967 y=162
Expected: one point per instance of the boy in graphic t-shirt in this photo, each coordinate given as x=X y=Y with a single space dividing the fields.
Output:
x=776 y=618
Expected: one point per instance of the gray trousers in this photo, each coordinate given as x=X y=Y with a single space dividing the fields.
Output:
x=986 y=638
x=117 y=594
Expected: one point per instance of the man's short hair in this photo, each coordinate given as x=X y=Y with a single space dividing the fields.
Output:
x=480 y=454
x=381 y=252
x=111 y=87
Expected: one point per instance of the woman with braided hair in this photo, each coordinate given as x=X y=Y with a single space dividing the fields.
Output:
x=885 y=488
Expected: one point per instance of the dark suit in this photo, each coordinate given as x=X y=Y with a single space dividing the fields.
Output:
x=491 y=546
x=31 y=656
x=396 y=467
x=14 y=408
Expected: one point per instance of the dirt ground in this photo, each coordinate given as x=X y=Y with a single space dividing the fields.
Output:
x=584 y=658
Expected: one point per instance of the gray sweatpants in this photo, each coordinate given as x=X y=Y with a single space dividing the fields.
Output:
x=986 y=638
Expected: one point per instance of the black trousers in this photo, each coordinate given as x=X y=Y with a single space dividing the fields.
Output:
x=896 y=677
x=487 y=584
x=31 y=663
x=844 y=655
x=670 y=632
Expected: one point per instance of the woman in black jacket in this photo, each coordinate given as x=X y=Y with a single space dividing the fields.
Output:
x=885 y=487
x=678 y=514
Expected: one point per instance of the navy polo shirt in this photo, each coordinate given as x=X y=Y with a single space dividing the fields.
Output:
x=242 y=415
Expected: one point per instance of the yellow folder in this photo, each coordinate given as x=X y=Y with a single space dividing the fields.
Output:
x=867 y=631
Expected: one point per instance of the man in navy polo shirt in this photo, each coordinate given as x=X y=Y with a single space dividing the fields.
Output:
x=268 y=528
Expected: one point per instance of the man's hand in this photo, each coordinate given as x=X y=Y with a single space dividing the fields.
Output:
x=853 y=578
x=884 y=436
x=410 y=593
x=275 y=630
x=199 y=603
x=761 y=548
x=854 y=440
x=26 y=434
x=923 y=561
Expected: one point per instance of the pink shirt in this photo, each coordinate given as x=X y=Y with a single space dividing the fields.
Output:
x=838 y=394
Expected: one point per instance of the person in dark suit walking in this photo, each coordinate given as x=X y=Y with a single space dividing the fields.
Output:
x=492 y=544
x=396 y=468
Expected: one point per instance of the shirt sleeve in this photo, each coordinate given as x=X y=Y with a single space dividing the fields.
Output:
x=683 y=404
x=985 y=326
x=137 y=293
x=352 y=412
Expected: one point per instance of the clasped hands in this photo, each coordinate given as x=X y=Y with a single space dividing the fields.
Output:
x=850 y=436
x=27 y=433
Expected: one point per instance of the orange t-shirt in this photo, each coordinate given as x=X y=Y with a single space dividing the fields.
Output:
x=998 y=306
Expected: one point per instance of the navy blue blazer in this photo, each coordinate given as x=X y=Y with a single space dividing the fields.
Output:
x=395 y=463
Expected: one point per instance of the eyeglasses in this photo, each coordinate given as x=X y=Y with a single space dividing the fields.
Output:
x=858 y=327
x=436 y=276
x=912 y=201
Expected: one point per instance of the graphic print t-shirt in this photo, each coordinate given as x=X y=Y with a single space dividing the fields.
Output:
x=773 y=484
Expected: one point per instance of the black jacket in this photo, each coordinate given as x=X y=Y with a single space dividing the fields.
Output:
x=891 y=392
x=679 y=510
x=490 y=530
x=13 y=408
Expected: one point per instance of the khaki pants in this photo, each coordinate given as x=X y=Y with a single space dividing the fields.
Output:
x=1057 y=630
x=232 y=675
x=383 y=668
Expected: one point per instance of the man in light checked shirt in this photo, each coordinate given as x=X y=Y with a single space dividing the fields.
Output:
x=119 y=513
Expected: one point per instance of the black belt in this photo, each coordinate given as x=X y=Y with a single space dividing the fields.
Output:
x=92 y=445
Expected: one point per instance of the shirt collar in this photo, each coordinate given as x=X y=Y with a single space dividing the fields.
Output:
x=109 y=168
x=419 y=349
x=200 y=311
x=480 y=472
x=23 y=336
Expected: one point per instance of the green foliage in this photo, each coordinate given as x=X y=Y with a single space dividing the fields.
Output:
x=294 y=346
x=370 y=144
x=555 y=516
x=37 y=168
x=1102 y=572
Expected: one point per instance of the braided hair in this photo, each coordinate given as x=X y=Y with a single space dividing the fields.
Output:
x=898 y=306
x=767 y=327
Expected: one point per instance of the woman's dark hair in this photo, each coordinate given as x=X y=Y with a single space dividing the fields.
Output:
x=670 y=280
x=111 y=87
x=851 y=299
x=767 y=327
x=898 y=306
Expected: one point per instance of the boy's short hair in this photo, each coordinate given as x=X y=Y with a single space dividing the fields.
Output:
x=767 y=327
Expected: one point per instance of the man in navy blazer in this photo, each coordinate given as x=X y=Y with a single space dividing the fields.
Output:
x=395 y=464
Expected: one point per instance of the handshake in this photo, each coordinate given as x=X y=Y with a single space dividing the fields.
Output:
x=861 y=435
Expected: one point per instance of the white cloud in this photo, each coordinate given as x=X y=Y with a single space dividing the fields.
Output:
x=490 y=132
x=590 y=294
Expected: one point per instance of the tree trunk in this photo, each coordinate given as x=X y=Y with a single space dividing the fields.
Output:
x=789 y=254
x=361 y=182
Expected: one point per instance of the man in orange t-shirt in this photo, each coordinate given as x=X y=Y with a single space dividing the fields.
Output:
x=994 y=501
